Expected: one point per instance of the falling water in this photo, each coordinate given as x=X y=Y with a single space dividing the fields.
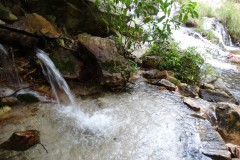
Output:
x=69 y=112
x=59 y=85
x=8 y=67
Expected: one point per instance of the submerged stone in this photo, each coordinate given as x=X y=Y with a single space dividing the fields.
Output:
x=21 y=141
x=27 y=97
x=4 y=109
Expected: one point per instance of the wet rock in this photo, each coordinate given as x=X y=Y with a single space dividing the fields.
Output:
x=6 y=14
x=207 y=86
x=114 y=69
x=69 y=65
x=156 y=74
x=207 y=109
x=173 y=80
x=165 y=83
x=27 y=97
x=21 y=141
x=4 y=109
x=228 y=116
x=9 y=101
x=191 y=104
x=233 y=58
x=214 y=96
x=219 y=84
x=35 y=23
x=234 y=149
x=188 y=90
x=213 y=145
x=150 y=61
x=192 y=23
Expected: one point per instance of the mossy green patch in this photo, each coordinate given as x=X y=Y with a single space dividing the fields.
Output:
x=63 y=64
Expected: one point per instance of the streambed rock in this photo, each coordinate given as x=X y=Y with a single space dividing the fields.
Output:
x=228 y=116
x=205 y=109
x=115 y=70
x=21 y=141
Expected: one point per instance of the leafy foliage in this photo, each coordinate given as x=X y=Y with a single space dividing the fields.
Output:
x=186 y=63
x=143 y=20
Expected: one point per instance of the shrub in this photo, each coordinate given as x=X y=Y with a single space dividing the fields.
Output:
x=186 y=63
x=139 y=20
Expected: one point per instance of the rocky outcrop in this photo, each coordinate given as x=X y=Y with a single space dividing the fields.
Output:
x=113 y=68
x=69 y=65
x=188 y=90
x=150 y=61
x=73 y=16
x=228 y=116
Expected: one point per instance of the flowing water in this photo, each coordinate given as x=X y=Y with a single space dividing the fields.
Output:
x=141 y=124
x=216 y=55
x=145 y=124
x=8 y=69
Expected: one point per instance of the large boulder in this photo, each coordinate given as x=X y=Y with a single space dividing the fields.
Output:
x=228 y=116
x=114 y=70
x=151 y=61
x=69 y=65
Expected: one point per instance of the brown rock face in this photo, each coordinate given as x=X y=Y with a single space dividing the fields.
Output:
x=114 y=69
x=228 y=116
x=150 y=61
x=35 y=23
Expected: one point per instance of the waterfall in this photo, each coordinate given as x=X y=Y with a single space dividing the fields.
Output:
x=59 y=85
x=218 y=29
x=8 y=68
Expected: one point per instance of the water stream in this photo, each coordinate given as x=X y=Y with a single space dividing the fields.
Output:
x=214 y=54
x=142 y=124
x=8 y=69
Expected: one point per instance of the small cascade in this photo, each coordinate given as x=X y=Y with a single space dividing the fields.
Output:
x=8 y=69
x=218 y=29
x=59 y=85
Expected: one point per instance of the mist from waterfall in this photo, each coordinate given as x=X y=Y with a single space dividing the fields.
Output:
x=69 y=112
